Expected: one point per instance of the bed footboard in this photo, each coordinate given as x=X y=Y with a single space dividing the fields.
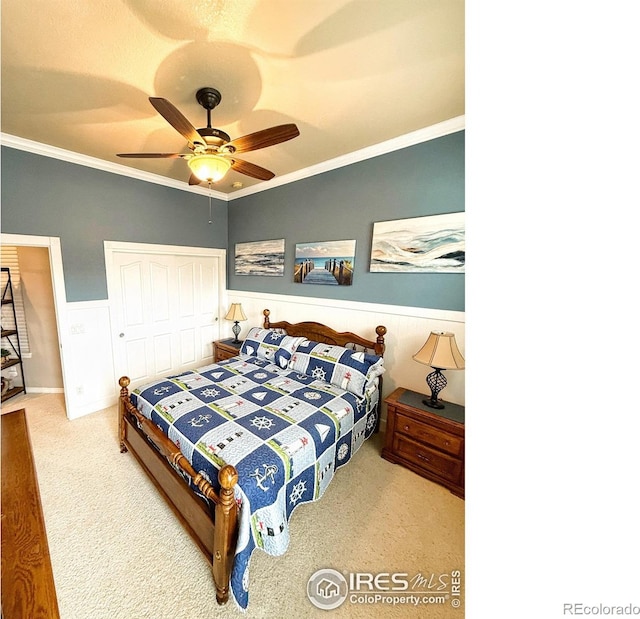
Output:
x=215 y=533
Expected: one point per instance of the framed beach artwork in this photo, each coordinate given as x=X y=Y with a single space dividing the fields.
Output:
x=260 y=258
x=433 y=244
x=326 y=262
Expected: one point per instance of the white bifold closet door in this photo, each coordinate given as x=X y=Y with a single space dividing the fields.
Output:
x=165 y=310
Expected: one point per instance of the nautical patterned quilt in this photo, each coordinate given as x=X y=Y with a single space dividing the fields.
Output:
x=286 y=433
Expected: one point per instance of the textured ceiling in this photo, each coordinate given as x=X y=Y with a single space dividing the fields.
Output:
x=350 y=74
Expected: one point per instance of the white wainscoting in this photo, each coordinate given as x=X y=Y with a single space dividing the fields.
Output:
x=407 y=330
x=93 y=384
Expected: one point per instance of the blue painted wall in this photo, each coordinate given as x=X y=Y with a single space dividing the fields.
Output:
x=84 y=207
x=426 y=179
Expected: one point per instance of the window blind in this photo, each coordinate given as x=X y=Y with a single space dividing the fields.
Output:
x=9 y=258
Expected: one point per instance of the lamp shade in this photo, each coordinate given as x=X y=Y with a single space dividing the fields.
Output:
x=235 y=312
x=440 y=351
x=209 y=167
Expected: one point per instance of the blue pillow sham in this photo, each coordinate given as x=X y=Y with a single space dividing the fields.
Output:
x=270 y=345
x=351 y=370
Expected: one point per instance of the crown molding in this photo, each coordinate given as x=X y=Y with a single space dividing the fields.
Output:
x=100 y=164
x=410 y=139
x=438 y=130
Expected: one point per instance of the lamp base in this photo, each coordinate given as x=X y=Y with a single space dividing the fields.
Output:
x=437 y=404
x=436 y=382
x=236 y=332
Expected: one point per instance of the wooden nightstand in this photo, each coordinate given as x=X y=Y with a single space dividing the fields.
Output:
x=428 y=441
x=225 y=349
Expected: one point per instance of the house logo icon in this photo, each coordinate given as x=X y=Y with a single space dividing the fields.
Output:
x=327 y=589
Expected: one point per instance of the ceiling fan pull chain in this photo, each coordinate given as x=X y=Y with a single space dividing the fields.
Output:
x=209 y=201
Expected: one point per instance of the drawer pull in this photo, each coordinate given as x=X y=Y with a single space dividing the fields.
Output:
x=406 y=427
x=423 y=457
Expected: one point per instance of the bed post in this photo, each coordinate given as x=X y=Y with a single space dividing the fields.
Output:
x=381 y=330
x=225 y=532
x=124 y=397
x=266 y=318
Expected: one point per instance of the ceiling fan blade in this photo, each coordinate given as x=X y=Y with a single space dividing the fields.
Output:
x=251 y=169
x=194 y=180
x=151 y=155
x=175 y=118
x=264 y=138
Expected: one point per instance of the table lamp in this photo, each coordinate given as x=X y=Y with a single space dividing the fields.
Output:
x=236 y=314
x=440 y=351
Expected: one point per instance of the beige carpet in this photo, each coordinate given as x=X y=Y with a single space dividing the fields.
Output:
x=118 y=552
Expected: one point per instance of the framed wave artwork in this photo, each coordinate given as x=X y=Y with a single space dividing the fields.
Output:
x=433 y=244
x=260 y=258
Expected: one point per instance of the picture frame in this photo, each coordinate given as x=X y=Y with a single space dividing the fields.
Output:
x=325 y=263
x=264 y=258
x=430 y=244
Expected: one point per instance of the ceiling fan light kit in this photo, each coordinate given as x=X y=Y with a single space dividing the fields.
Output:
x=209 y=168
x=213 y=150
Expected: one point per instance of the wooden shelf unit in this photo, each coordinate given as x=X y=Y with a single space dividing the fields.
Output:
x=10 y=339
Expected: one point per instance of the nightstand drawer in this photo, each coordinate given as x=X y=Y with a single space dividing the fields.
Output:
x=225 y=349
x=428 y=441
x=222 y=354
x=428 y=459
x=427 y=434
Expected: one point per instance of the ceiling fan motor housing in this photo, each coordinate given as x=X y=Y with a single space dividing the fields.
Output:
x=210 y=98
x=213 y=136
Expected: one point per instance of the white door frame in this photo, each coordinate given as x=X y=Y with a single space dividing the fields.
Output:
x=111 y=247
x=52 y=243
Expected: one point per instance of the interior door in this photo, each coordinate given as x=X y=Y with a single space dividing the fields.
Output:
x=59 y=298
x=166 y=312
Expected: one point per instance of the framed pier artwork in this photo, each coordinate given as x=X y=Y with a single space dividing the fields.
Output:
x=328 y=263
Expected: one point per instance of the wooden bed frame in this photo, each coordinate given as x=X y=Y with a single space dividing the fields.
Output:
x=213 y=529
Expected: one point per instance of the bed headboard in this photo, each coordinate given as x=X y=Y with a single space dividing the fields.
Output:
x=321 y=333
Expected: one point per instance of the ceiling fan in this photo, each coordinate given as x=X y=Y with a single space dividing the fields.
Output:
x=213 y=151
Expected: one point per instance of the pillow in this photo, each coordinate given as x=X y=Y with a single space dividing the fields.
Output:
x=352 y=370
x=288 y=345
x=270 y=345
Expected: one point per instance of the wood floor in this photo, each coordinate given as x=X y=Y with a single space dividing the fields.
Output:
x=28 y=590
